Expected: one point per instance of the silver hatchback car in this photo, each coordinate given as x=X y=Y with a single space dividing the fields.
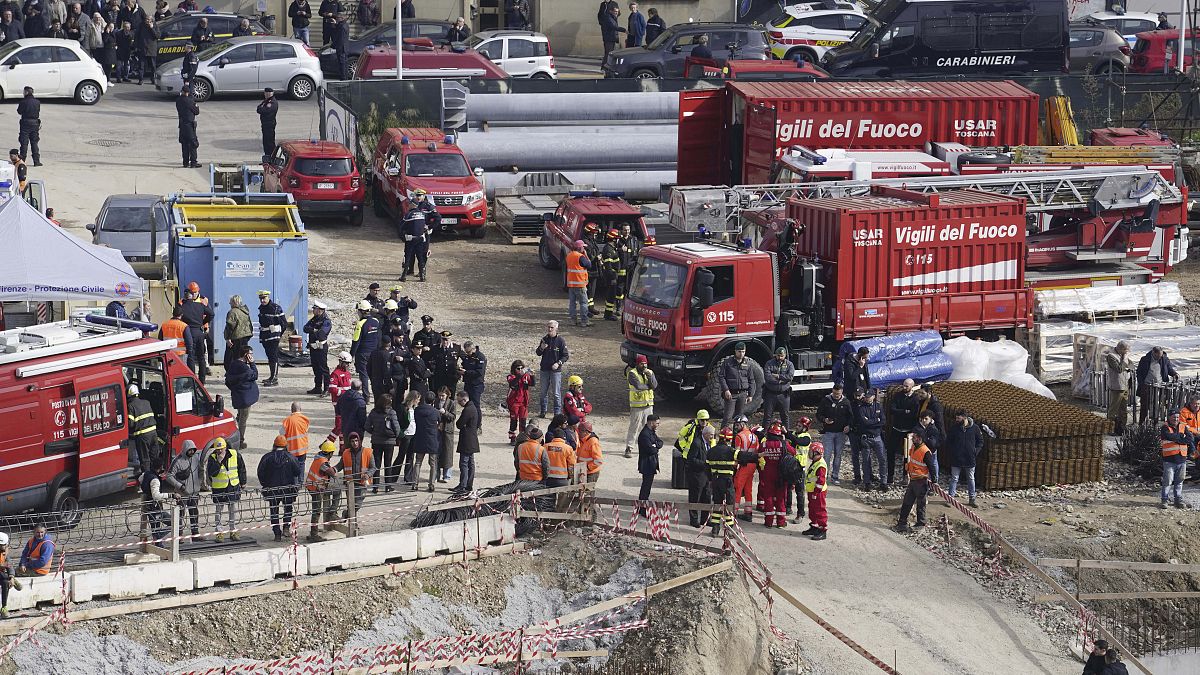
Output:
x=248 y=64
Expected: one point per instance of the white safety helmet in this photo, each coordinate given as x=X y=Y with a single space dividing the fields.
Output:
x=133 y=390
x=3 y=539
x=364 y=306
x=345 y=356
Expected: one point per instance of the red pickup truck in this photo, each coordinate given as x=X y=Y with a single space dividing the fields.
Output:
x=565 y=226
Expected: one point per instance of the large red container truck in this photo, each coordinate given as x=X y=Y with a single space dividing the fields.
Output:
x=889 y=262
x=733 y=135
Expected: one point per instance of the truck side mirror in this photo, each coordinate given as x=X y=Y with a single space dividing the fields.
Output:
x=218 y=406
x=91 y=227
x=548 y=217
x=392 y=171
x=703 y=292
x=478 y=172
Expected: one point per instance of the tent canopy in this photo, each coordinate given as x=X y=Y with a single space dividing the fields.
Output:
x=43 y=262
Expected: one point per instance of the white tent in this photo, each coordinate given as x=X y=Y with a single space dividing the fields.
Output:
x=40 y=261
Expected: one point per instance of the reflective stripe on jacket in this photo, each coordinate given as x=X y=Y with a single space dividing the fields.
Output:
x=175 y=329
x=640 y=398
x=1173 y=448
x=316 y=481
x=295 y=430
x=811 y=477
x=532 y=462
x=589 y=451
x=577 y=276
x=918 y=463
x=228 y=475
x=358 y=473
x=561 y=458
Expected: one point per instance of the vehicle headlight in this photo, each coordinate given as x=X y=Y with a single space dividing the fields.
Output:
x=670 y=362
x=624 y=353
x=174 y=72
x=327 y=51
x=472 y=197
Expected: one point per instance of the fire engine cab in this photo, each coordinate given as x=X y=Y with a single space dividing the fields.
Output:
x=64 y=426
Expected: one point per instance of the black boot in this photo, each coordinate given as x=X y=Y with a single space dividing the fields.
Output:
x=422 y=277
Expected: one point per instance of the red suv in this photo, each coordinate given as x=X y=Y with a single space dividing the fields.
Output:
x=320 y=175
x=1155 y=49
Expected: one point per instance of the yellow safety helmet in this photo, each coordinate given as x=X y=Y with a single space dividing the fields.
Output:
x=574 y=381
x=264 y=293
x=420 y=191
x=702 y=414
x=219 y=444
x=327 y=448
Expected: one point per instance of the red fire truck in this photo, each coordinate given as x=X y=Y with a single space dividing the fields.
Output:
x=64 y=428
x=849 y=267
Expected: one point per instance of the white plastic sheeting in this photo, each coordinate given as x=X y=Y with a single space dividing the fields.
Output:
x=1003 y=360
x=1063 y=301
x=1051 y=341
x=1182 y=345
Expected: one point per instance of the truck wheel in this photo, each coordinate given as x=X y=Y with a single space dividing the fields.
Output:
x=356 y=218
x=479 y=232
x=377 y=204
x=548 y=261
x=712 y=397
x=65 y=507
x=983 y=157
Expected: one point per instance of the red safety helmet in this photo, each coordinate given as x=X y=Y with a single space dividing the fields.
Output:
x=591 y=227
x=816 y=447
x=776 y=428
x=726 y=433
x=193 y=287
x=805 y=422
x=614 y=234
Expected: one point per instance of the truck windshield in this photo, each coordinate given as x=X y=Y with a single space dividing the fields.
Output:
x=131 y=219
x=436 y=166
x=323 y=166
x=658 y=283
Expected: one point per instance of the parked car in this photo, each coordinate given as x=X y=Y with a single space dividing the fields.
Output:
x=175 y=31
x=54 y=68
x=321 y=176
x=137 y=225
x=1156 y=48
x=758 y=71
x=664 y=57
x=1097 y=49
x=1128 y=24
x=422 y=158
x=248 y=64
x=423 y=60
x=521 y=53
x=811 y=30
x=383 y=34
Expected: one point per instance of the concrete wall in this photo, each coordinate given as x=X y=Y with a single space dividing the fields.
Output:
x=573 y=31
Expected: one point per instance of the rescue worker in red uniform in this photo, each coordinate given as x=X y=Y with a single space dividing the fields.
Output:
x=770 y=483
x=339 y=383
x=745 y=444
x=815 y=485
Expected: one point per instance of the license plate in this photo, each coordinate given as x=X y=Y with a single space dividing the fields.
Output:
x=326 y=186
x=450 y=221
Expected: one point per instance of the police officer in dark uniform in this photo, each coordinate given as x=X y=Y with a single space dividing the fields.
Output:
x=196 y=315
x=427 y=335
x=418 y=369
x=267 y=111
x=474 y=372
x=403 y=305
x=444 y=363
x=187 y=110
x=30 y=110
x=317 y=329
x=191 y=61
x=416 y=230
x=271 y=324
x=373 y=297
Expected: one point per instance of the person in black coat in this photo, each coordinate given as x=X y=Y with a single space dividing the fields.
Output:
x=11 y=29
x=902 y=407
x=856 y=376
x=279 y=473
x=1095 y=661
x=609 y=28
x=379 y=370
x=146 y=48
x=468 y=442
x=339 y=36
x=241 y=377
x=459 y=31
x=418 y=369
x=869 y=420
x=964 y=441
x=427 y=440
x=125 y=40
x=187 y=110
x=300 y=12
x=407 y=9
x=474 y=367
x=328 y=11
x=30 y=126
x=928 y=403
x=202 y=37
x=352 y=408
x=654 y=26
x=648 y=446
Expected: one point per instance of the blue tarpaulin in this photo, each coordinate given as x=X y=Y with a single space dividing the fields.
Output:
x=923 y=368
x=898 y=346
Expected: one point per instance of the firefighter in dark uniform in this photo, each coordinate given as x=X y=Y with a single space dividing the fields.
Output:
x=627 y=249
x=416 y=230
x=610 y=268
x=143 y=430
x=722 y=463
x=271 y=324
x=317 y=329
x=593 y=245
x=195 y=312
x=444 y=363
x=187 y=110
x=427 y=335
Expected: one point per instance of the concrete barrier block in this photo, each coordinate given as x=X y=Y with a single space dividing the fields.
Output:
x=245 y=566
x=362 y=551
x=47 y=590
x=135 y=581
x=442 y=539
